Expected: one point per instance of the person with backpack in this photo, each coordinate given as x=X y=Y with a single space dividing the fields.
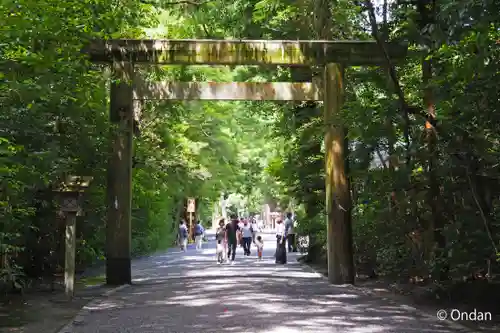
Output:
x=198 y=235
x=183 y=236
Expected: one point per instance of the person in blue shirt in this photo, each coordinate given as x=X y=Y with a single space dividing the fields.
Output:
x=198 y=235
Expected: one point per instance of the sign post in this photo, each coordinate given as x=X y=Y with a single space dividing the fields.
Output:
x=191 y=208
x=70 y=196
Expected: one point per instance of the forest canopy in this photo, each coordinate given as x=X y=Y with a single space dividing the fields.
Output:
x=423 y=133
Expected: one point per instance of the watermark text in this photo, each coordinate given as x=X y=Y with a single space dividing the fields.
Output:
x=460 y=315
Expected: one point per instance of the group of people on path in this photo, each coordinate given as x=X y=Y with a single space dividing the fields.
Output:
x=285 y=234
x=183 y=235
x=237 y=232
x=242 y=232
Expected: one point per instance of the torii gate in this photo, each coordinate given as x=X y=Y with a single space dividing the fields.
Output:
x=127 y=91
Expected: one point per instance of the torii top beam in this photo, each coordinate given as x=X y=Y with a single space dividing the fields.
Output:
x=242 y=52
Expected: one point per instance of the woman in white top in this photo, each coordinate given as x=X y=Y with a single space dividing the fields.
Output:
x=240 y=226
x=280 y=243
x=255 y=229
x=246 y=235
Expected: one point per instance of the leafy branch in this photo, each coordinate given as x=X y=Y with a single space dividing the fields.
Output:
x=174 y=3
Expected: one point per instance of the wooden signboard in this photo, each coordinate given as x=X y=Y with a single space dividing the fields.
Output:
x=191 y=205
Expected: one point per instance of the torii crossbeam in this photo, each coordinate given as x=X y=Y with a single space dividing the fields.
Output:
x=243 y=52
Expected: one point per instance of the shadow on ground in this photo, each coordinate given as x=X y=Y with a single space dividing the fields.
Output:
x=43 y=311
x=190 y=293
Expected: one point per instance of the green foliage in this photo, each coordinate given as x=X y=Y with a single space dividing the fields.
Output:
x=55 y=111
x=393 y=216
x=55 y=117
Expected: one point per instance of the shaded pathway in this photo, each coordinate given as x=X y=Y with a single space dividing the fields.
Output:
x=189 y=292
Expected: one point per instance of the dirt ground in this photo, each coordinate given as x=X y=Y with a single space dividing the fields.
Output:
x=43 y=310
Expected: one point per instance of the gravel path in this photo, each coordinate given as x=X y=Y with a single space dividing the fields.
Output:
x=190 y=293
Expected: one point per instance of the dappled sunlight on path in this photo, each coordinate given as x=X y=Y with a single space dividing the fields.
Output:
x=189 y=292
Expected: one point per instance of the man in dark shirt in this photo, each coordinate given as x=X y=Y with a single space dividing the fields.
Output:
x=231 y=235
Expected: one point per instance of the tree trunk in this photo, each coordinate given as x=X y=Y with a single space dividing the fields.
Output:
x=436 y=241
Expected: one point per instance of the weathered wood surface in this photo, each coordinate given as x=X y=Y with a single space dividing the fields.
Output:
x=338 y=200
x=119 y=187
x=228 y=91
x=242 y=52
x=70 y=254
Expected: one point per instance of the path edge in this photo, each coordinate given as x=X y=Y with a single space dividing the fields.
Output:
x=462 y=328
x=79 y=319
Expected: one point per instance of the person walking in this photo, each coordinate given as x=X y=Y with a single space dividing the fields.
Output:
x=290 y=233
x=255 y=229
x=232 y=229
x=198 y=235
x=280 y=243
x=183 y=236
x=260 y=246
x=220 y=237
x=246 y=235
x=240 y=226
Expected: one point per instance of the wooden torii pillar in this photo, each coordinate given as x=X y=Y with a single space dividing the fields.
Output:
x=333 y=55
x=119 y=174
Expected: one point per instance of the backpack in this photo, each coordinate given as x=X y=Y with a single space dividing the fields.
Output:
x=288 y=226
x=184 y=232
x=220 y=234
x=198 y=230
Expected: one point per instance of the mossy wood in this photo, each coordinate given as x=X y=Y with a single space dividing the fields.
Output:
x=73 y=184
x=338 y=200
x=227 y=91
x=243 y=52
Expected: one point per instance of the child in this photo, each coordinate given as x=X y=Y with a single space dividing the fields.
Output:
x=260 y=245
x=221 y=249
x=220 y=236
